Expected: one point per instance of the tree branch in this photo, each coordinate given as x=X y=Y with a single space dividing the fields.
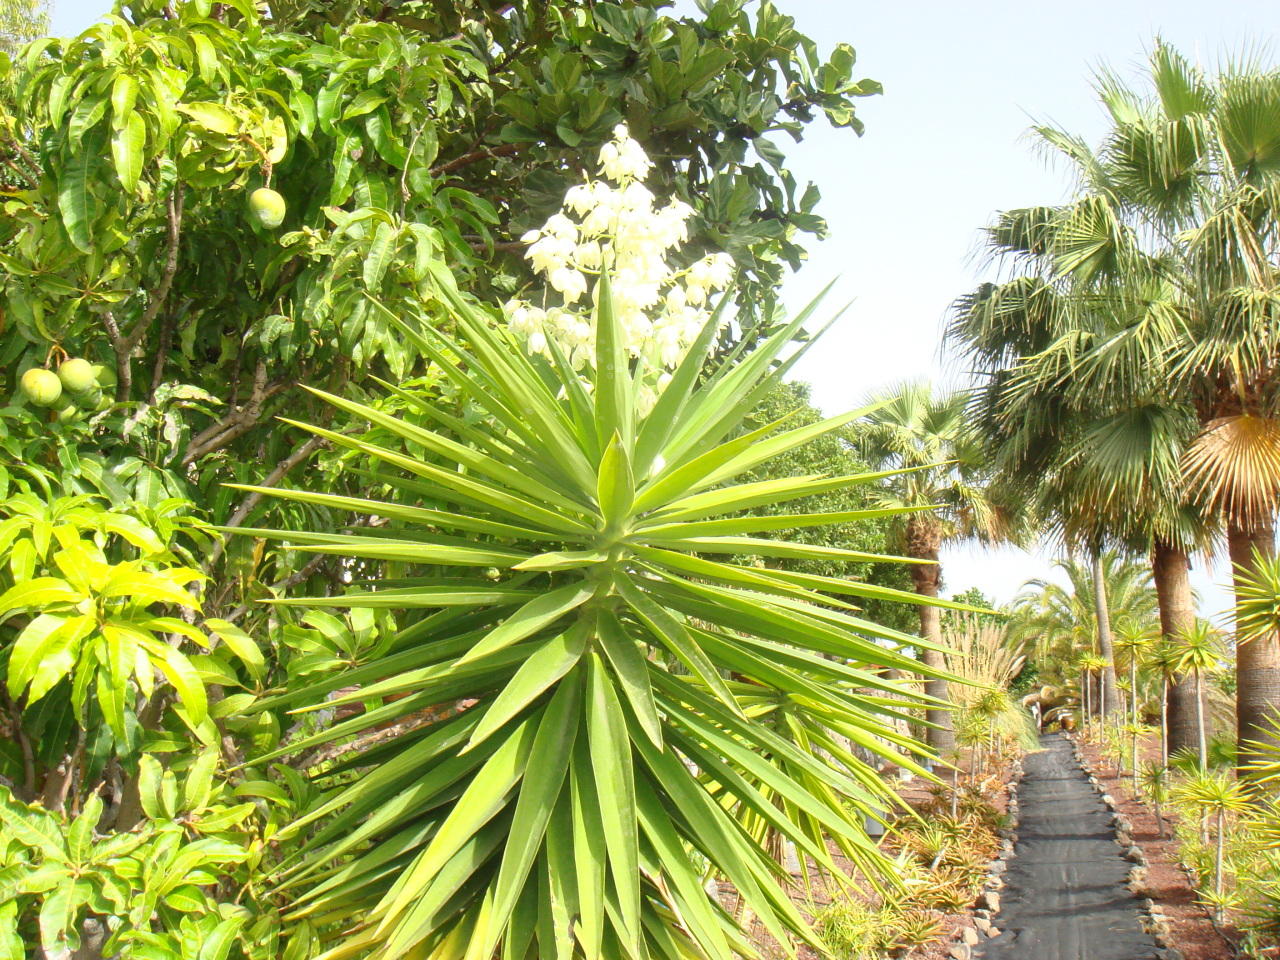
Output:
x=239 y=421
x=176 y=201
x=295 y=578
x=502 y=246
x=252 y=500
x=124 y=344
x=475 y=156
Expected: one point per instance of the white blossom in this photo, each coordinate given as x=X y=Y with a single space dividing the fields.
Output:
x=613 y=224
x=569 y=282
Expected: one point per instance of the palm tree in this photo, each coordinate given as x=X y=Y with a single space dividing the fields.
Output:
x=1100 y=459
x=1060 y=621
x=923 y=433
x=1096 y=463
x=1199 y=651
x=1163 y=287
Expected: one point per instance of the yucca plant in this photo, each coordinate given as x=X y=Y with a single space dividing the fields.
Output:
x=1154 y=781
x=915 y=928
x=1199 y=651
x=1133 y=638
x=926 y=840
x=1217 y=796
x=558 y=544
x=1264 y=765
x=1163 y=656
x=1260 y=906
x=1090 y=665
x=856 y=930
x=1258 y=597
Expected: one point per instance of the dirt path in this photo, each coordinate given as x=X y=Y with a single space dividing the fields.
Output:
x=1065 y=896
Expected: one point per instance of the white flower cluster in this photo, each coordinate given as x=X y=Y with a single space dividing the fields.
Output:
x=613 y=224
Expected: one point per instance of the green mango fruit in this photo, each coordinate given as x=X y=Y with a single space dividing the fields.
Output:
x=105 y=375
x=268 y=207
x=76 y=375
x=42 y=387
x=89 y=399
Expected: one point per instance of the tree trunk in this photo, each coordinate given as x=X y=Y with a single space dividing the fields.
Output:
x=1170 y=569
x=1108 y=701
x=1217 y=867
x=927 y=579
x=1258 y=660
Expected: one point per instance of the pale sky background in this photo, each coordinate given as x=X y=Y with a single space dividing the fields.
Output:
x=944 y=149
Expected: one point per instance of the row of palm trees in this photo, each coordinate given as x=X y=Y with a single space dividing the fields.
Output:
x=1128 y=363
x=1058 y=621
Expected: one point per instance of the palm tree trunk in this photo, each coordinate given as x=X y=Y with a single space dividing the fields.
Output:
x=927 y=579
x=1170 y=569
x=1201 y=742
x=1108 y=701
x=1258 y=660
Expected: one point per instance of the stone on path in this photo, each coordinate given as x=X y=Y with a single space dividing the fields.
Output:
x=1065 y=896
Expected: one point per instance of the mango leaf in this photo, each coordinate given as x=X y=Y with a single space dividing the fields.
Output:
x=212 y=116
x=127 y=144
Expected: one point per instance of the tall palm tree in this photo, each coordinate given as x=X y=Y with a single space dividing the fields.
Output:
x=1159 y=283
x=915 y=429
x=1095 y=463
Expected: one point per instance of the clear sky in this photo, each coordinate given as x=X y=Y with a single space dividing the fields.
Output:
x=944 y=149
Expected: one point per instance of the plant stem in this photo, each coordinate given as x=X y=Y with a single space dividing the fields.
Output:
x=1217 y=871
x=1164 y=719
x=1204 y=751
x=1133 y=698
